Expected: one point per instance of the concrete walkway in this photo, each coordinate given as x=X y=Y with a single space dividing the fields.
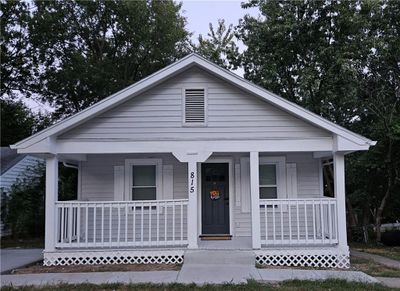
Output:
x=14 y=258
x=377 y=259
x=201 y=275
x=200 y=267
x=390 y=282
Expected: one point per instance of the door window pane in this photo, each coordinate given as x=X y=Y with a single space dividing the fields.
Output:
x=144 y=175
x=267 y=175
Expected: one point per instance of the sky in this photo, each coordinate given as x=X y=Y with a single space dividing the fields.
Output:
x=199 y=14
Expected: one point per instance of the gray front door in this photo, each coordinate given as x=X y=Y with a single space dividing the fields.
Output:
x=215 y=198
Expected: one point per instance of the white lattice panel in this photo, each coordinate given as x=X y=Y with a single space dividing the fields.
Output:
x=320 y=258
x=87 y=257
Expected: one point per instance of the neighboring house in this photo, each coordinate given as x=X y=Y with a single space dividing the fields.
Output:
x=13 y=167
x=190 y=155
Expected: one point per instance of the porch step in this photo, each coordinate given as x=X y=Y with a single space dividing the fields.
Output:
x=219 y=257
x=215 y=237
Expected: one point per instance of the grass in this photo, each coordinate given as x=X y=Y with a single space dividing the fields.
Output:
x=8 y=242
x=251 y=285
x=389 y=252
x=372 y=268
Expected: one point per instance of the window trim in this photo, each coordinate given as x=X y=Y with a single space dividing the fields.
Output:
x=142 y=162
x=280 y=164
x=194 y=124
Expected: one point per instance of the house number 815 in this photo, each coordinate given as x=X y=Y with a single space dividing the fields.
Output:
x=191 y=182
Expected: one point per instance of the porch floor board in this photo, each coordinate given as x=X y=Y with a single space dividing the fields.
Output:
x=236 y=243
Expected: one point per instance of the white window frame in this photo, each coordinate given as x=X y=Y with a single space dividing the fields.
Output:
x=194 y=124
x=142 y=162
x=280 y=164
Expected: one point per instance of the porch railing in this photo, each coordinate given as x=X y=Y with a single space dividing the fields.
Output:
x=121 y=224
x=298 y=221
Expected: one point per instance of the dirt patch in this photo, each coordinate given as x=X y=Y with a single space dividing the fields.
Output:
x=39 y=268
x=389 y=252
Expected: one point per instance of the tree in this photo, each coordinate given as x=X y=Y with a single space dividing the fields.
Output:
x=300 y=50
x=18 y=121
x=379 y=74
x=341 y=60
x=219 y=46
x=84 y=51
x=15 y=63
x=26 y=194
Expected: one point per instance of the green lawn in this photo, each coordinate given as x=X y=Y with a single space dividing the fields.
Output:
x=289 y=285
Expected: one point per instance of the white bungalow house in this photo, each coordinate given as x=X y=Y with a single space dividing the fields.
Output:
x=195 y=157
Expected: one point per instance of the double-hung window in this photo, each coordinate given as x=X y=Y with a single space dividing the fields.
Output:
x=143 y=179
x=272 y=177
x=144 y=186
x=268 y=181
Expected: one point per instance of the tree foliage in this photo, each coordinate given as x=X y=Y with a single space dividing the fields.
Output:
x=15 y=64
x=27 y=195
x=18 y=121
x=83 y=51
x=219 y=46
x=341 y=60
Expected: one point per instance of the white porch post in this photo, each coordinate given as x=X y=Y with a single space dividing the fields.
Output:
x=192 y=158
x=50 y=199
x=339 y=186
x=192 y=205
x=255 y=200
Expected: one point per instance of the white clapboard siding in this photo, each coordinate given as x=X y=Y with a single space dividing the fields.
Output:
x=8 y=178
x=98 y=181
x=158 y=114
x=98 y=176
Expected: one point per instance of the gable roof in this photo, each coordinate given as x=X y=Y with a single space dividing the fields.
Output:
x=174 y=69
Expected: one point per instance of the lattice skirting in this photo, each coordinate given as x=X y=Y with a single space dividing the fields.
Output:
x=112 y=257
x=320 y=258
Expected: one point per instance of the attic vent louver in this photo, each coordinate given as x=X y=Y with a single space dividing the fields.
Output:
x=195 y=106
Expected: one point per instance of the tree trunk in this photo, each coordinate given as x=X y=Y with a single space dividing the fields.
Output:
x=351 y=213
x=379 y=212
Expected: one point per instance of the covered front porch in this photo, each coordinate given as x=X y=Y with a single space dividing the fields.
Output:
x=99 y=225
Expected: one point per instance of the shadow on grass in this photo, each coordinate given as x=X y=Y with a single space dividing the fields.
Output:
x=251 y=285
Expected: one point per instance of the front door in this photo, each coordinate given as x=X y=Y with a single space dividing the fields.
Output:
x=215 y=198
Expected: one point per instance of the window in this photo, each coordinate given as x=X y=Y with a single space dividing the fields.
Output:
x=194 y=107
x=143 y=179
x=268 y=184
x=144 y=185
x=272 y=177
